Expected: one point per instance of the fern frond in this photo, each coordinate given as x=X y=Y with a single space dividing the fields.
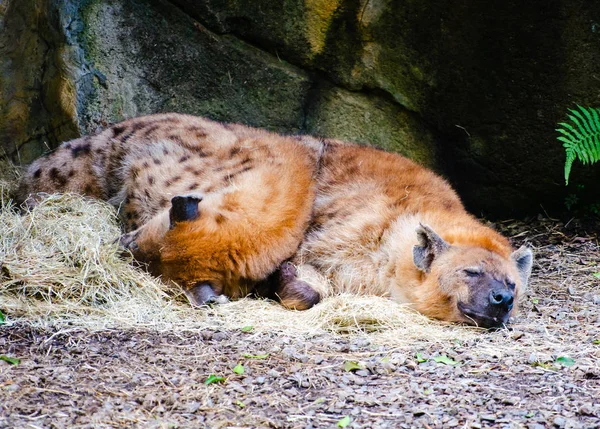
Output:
x=580 y=137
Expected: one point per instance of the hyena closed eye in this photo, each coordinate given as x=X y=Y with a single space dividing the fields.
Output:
x=226 y=210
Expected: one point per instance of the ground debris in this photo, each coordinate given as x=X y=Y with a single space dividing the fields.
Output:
x=98 y=368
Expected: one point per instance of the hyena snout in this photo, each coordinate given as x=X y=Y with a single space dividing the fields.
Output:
x=501 y=300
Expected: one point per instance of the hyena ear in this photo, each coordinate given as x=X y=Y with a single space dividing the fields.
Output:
x=183 y=208
x=430 y=245
x=523 y=257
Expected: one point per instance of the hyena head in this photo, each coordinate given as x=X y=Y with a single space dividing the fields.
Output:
x=470 y=284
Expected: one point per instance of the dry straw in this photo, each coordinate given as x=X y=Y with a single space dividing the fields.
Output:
x=60 y=263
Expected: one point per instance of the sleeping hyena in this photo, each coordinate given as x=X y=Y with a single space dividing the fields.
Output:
x=224 y=209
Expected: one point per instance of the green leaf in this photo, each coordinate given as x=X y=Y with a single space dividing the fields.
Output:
x=565 y=361
x=2 y=318
x=248 y=328
x=10 y=360
x=240 y=404
x=596 y=342
x=350 y=365
x=597 y=275
x=249 y=356
x=239 y=369
x=345 y=421
x=420 y=358
x=580 y=136
x=445 y=360
x=214 y=379
x=530 y=414
x=535 y=300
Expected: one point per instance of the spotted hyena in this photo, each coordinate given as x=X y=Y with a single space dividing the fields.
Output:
x=224 y=209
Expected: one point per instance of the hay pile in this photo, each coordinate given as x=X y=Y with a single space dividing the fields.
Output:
x=60 y=264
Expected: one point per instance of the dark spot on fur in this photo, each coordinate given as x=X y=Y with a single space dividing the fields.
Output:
x=129 y=215
x=156 y=161
x=88 y=189
x=118 y=130
x=165 y=151
x=146 y=164
x=176 y=179
x=220 y=219
x=193 y=186
x=234 y=151
x=134 y=226
x=231 y=176
x=57 y=178
x=176 y=139
x=138 y=125
x=147 y=193
x=127 y=136
x=71 y=173
x=184 y=158
x=151 y=180
x=37 y=173
x=231 y=206
x=449 y=205
x=351 y=171
x=233 y=261
x=163 y=202
x=150 y=130
x=83 y=149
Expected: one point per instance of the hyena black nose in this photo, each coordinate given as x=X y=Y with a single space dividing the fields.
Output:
x=502 y=298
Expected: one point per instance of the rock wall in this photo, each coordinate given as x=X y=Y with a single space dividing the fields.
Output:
x=471 y=88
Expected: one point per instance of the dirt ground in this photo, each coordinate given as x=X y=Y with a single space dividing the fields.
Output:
x=543 y=371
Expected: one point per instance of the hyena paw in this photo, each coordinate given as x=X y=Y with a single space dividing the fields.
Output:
x=204 y=294
x=127 y=241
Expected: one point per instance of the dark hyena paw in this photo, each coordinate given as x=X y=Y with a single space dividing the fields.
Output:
x=204 y=294
x=128 y=241
x=294 y=293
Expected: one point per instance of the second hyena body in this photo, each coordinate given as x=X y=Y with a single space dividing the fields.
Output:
x=223 y=209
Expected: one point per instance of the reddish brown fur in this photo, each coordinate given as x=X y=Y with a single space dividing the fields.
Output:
x=346 y=215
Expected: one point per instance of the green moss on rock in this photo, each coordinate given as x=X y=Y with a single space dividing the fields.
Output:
x=371 y=120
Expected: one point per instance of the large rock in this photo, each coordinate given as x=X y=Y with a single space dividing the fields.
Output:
x=371 y=120
x=82 y=65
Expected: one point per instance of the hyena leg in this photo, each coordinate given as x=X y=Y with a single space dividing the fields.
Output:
x=292 y=292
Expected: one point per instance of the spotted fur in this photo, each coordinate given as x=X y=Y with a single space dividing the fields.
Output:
x=225 y=205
